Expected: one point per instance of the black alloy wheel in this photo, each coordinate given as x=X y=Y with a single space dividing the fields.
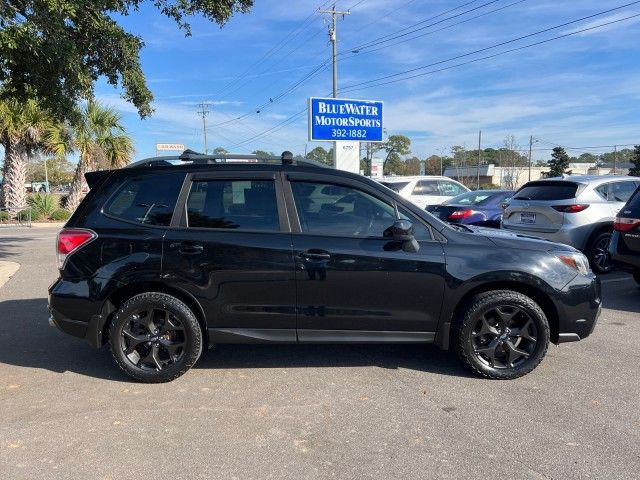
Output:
x=599 y=254
x=501 y=334
x=504 y=337
x=155 y=337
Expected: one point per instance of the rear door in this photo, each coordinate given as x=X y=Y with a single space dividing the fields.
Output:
x=532 y=207
x=230 y=248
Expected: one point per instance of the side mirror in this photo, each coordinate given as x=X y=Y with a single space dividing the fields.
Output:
x=402 y=231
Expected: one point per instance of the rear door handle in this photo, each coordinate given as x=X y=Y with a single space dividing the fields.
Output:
x=187 y=248
x=316 y=255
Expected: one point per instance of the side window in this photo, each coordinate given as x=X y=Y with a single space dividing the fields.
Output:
x=149 y=199
x=603 y=190
x=450 y=189
x=621 y=191
x=347 y=212
x=426 y=187
x=233 y=204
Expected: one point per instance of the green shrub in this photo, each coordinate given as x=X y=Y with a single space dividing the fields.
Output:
x=4 y=216
x=60 y=214
x=42 y=205
x=23 y=215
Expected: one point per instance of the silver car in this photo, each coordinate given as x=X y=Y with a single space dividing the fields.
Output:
x=575 y=210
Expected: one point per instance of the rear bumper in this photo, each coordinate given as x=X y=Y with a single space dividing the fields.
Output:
x=579 y=307
x=72 y=312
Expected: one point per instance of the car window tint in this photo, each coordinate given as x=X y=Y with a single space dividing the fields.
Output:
x=233 y=204
x=550 y=190
x=348 y=212
x=450 y=189
x=426 y=187
x=148 y=199
x=395 y=186
x=621 y=191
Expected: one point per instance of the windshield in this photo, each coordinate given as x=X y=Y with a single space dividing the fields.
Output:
x=395 y=186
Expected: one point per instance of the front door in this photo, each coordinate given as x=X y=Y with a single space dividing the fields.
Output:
x=352 y=282
x=232 y=252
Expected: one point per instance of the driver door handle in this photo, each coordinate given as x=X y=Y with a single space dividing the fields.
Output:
x=315 y=255
x=187 y=248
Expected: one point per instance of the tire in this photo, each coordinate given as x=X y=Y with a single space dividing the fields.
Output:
x=598 y=253
x=155 y=338
x=501 y=334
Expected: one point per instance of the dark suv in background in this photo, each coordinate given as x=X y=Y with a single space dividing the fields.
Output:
x=625 y=242
x=172 y=255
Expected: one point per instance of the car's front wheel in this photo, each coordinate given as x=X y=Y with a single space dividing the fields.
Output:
x=155 y=337
x=501 y=334
x=598 y=253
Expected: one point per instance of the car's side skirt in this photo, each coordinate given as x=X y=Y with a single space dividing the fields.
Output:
x=265 y=335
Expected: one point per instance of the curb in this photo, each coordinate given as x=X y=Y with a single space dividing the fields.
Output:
x=48 y=225
x=7 y=270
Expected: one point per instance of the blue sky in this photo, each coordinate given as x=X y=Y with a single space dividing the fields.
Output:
x=583 y=90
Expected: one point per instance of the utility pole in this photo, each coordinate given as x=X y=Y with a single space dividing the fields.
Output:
x=333 y=37
x=615 y=158
x=479 y=158
x=203 y=112
x=530 y=149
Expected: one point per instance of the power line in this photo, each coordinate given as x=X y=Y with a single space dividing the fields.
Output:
x=372 y=83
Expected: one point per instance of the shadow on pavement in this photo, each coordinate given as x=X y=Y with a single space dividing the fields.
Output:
x=623 y=295
x=9 y=246
x=26 y=340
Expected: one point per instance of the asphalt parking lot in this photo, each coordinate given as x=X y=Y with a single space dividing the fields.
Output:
x=258 y=412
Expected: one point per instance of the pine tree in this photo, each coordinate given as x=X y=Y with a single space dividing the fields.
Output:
x=559 y=162
x=635 y=159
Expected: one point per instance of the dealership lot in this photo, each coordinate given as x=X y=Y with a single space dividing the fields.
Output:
x=312 y=411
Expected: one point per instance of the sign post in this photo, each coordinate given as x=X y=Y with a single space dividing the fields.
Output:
x=345 y=122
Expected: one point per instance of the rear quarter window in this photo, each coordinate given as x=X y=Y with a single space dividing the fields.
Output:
x=146 y=199
x=547 y=191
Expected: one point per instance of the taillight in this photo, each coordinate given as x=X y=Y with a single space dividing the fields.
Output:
x=570 y=208
x=623 y=224
x=70 y=240
x=458 y=214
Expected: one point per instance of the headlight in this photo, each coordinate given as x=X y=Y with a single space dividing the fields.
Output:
x=575 y=260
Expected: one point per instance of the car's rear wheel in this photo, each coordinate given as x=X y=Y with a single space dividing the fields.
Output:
x=501 y=334
x=155 y=337
x=598 y=254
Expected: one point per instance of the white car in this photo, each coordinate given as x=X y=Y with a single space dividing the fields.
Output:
x=424 y=190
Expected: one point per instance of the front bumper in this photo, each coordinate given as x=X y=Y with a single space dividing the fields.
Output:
x=579 y=306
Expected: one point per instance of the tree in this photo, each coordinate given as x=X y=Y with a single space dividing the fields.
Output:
x=321 y=155
x=22 y=129
x=100 y=140
x=263 y=153
x=559 y=162
x=54 y=51
x=635 y=160
x=395 y=146
x=59 y=171
x=512 y=163
x=220 y=151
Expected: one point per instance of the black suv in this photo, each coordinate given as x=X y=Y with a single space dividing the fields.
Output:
x=624 y=247
x=175 y=254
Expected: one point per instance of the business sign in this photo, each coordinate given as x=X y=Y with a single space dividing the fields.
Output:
x=171 y=147
x=376 y=167
x=348 y=156
x=335 y=119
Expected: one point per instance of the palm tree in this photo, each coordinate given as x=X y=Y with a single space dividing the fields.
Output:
x=100 y=140
x=22 y=128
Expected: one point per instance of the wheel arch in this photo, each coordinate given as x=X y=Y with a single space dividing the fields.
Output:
x=536 y=294
x=601 y=227
x=119 y=296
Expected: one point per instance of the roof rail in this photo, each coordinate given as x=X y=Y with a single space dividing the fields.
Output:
x=286 y=158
